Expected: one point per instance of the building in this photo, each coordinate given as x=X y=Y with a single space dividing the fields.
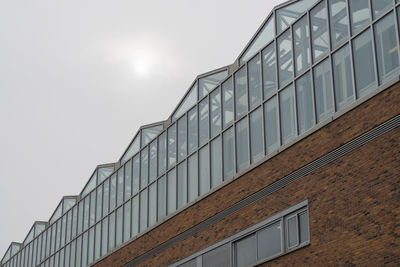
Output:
x=289 y=156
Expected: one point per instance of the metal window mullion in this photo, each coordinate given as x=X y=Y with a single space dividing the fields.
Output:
x=293 y=83
x=351 y=53
x=372 y=32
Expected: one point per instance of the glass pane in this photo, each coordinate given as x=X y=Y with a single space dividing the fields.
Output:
x=172 y=145
x=304 y=232
x=192 y=134
x=206 y=84
x=78 y=252
x=381 y=6
x=271 y=124
x=288 y=120
x=218 y=257
x=323 y=90
x=292 y=232
x=191 y=263
x=342 y=78
x=113 y=191
x=87 y=214
x=269 y=241
x=136 y=174
x=162 y=153
x=91 y=245
x=339 y=22
x=227 y=102
x=215 y=112
x=285 y=58
x=216 y=162
x=320 y=35
x=182 y=185
x=242 y=142
x=305 y=105
x=203 y=122
x=246 y=251
x=135 y=215
x=182 y=142
x=188 y=102
x=254 y=74
x=104 y=239
x=103 y=173
x=264 y=36
x=162 y=197
x=171 y=191
x=97 y=242
x=193 y=183
x=152 y=204
x=386 y=48
x=84 y=249
x=302 y=54
x=153 y=161
x=364 y=64
x=127 y=221
x=288 y=14
x=106 y=197
x=144 y=167
x=120 y=186
x=143 y=210
x=256 y=135
x=204 y=170
x=128 y=179
x=359 y=15
x=269 y=70
x=240 y=92
x=111 y=231
x=150 y=133
x=229 y=153
x=119 y=223
x=132 y=150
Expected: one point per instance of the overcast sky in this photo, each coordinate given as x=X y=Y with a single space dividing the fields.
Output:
x=79 y=77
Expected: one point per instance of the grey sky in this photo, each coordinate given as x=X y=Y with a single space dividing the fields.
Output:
x=78 y=78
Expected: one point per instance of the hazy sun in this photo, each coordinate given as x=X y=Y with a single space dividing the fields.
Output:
x=142 y=62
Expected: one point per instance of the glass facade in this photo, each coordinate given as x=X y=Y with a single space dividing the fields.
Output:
x=309 y=60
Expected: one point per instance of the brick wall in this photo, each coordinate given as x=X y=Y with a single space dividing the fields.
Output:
x=353 y=202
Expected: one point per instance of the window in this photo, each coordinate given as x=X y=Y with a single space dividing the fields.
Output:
x=171 y=145
x=193 y=183
x=254 y=74
x=380 y=6
x=271 y=124
x=242 y=143
x=323 y=90
x=386 y=48
x=182 y=144
x=359 y=15
x=203 y=122
x=240 y=92
x=302 y=52
x=162 y=197
x=143 y=210
x=128 y=179
x=256 y=135
x=171 y=201
x=269 y=70
x=227 y=102
x=152 y=204
x=285 y=58
x=152 y=162
x=162 y=153
x=127 y=221
x=192 y=131
x=267 y=243
x=364 y=63
x=305 y=106
x=204 y=170
x=277 y=235
x=182 y=184
x=144 y=167
x=215 y=112
x=339 y=22
x=288 y=119
x=229 y=153
x=216 y=162
x=342 y=78
x=319 y=34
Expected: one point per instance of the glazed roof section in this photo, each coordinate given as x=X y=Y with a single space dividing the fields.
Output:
x=277 y=21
